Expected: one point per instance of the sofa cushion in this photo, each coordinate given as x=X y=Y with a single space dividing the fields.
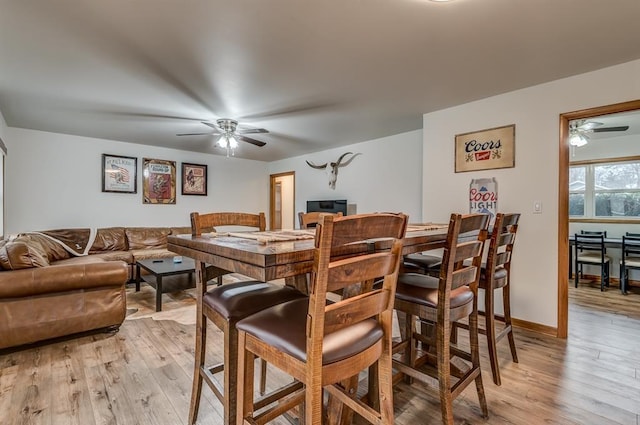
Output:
x=22 y=253
x=109 y=239
x=53 y=250
x=185 y=230
x=145 y=254
x=84 y=259
x=147 y=237
x=74 y=241
x=125 y=256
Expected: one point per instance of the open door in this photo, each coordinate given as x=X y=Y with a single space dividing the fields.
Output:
x=563 y=202
x=282 y=201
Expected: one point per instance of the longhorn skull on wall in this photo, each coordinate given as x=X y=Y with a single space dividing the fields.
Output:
x=331 y=168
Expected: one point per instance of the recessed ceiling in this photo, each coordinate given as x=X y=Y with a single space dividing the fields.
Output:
x=315 y=74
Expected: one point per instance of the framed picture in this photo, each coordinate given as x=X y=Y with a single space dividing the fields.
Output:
x=119 y=174
x=486 y=149
x=194 y=179
x=158 y=181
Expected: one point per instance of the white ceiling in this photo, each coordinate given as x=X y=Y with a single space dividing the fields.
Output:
x=316 y=74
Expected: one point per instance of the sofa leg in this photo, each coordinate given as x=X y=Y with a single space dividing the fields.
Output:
x=113 y=329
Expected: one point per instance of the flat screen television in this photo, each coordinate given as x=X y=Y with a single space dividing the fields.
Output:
x=331 y=206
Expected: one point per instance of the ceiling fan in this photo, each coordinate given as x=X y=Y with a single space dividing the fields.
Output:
x=230 y=134
x=580 y=129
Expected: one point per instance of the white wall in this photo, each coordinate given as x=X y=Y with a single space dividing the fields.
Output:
x=387 y=176
x=3 y=127
x=54 y=181
x=535 y=112
x=610 y=147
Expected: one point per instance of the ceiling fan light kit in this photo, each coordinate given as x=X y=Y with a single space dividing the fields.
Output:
x=229 y=134
x=577 y=140
x=580 y=129
x=228 y=142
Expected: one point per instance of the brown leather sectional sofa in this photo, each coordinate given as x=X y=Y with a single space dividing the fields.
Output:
x=48 y=291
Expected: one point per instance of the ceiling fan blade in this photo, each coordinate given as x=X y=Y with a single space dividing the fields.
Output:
x=252 y=131
x=145 y=115
x=210 y=124
x=588 y=125
x=197 y=134
x=605 y=129
x=312 y=106
x=250 y=140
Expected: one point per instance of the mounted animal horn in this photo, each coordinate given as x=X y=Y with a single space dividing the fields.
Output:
x=332 y=168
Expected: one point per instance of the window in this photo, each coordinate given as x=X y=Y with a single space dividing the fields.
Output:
x=577 y=185
x=605 y=190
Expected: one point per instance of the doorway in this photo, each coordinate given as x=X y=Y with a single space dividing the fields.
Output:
x=563 y=202
x=282 y=201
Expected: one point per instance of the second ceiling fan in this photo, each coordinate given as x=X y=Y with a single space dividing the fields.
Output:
x=579 y=131
x=230 y=134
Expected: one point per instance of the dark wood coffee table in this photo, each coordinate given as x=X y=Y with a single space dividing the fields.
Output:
x=166 y=276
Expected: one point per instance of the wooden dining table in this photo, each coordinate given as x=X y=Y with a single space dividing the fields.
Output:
x=269 y=256
x=267 y=259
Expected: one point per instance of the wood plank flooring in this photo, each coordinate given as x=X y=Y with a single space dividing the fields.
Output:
x=142 y=374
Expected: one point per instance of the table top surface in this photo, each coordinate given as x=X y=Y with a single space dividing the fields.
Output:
x=166 y=266
x=261 y=253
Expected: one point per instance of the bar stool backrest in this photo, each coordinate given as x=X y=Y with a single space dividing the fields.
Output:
x=202 y=222
x=503 y=237
x=311 y=219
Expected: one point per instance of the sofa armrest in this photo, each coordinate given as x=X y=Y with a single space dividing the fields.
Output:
x=51 y=279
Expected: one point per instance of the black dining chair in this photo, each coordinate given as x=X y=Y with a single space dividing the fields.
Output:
x=590 y=250
x=630 y=258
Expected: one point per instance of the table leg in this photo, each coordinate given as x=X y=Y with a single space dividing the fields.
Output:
x=137 y=277
x=159 y=293
x=300 y=282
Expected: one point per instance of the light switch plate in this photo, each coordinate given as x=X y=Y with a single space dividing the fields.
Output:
x=537 y=207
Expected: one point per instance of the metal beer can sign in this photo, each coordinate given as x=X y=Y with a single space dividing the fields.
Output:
x=483 y=197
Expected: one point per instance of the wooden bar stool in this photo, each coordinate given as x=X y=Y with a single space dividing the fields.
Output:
x=496 y=274
x=309 y=220
x=423 y=263
x=321 y=344
x=441 y=302
x=225 y=305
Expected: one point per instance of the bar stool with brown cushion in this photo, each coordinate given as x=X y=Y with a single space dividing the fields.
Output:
x=321 y=343
x=309 y=220
x=440 y=302
x=213 y=221
x=224 y=305
x=423 y=263
x=496 y=274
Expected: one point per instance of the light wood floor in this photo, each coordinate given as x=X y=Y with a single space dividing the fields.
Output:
x=142 y=374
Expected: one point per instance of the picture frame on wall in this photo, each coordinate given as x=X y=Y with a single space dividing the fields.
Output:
x=485 y=149
x=119 y=173
x=158 y=181
x=194 y=179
